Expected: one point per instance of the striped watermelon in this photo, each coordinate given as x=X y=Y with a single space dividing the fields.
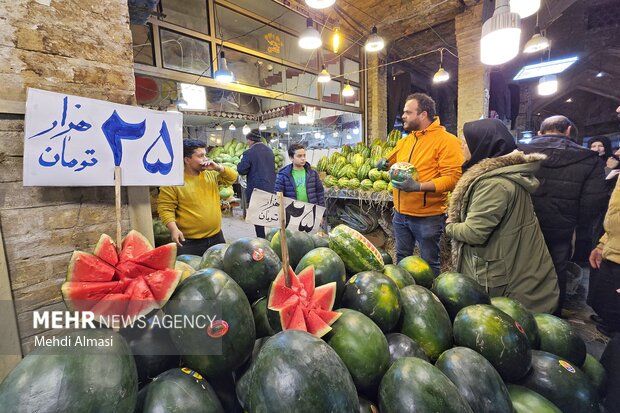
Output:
x=357 y=253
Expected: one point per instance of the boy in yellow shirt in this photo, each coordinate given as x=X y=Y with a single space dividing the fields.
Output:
x=192 y=212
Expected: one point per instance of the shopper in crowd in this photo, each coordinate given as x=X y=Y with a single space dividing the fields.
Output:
x=572 y=190
x=299 y=180
x=602 y=146
x=421 y=205
x=495 y=235
x=606 y=258
x=192 y=211
x=258 y=164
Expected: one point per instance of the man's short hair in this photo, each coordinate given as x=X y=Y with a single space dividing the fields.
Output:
x=294 y=147
x=190 y=145
x=556 y=123
x=425 y=103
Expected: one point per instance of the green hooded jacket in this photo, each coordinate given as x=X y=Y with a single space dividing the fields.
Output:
x=496 y=238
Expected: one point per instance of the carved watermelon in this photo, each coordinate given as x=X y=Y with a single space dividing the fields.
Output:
x=134 y=282
x=302 y=306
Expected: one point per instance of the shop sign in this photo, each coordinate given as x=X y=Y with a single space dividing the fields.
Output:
x=274 y=43
x=300 y=216
x=76 y=141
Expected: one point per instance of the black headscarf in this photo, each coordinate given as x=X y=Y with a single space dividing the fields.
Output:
x=487 y=138
x=606 y=144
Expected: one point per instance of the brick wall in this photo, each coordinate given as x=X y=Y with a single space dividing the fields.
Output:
x=376 y=98
x=473 y=77
x=81 y=48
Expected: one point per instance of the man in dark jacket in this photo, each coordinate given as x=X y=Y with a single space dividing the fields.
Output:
x=572 y=190
x=298 y=180
x=258 y=164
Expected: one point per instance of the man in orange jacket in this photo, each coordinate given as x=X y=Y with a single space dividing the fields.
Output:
x=421 y=205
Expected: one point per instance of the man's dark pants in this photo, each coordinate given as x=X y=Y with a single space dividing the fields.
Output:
x=426 y=231
x=199 y=246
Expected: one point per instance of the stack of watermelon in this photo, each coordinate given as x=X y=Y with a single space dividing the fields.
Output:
x=354 y=167
x=342 y=330
x=231 y=153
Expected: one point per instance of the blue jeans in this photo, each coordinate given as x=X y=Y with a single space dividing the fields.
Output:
x=426 y=231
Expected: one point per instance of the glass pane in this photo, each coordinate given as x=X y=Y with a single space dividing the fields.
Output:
x=353 y=100
x=301 y=83
x=346 y=46
x=142 y=44
x=191 y=14
x=351 y=70
x=331 y=91
x=184 y=53
x=277 y=14
x=330 y=129
x=244 y=31
x=254 y=71
x=331 y=62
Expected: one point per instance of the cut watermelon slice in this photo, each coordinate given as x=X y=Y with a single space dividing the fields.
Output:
x=302 y=306
x=106 y=250
x=130 y=288
x=134 y=245
x=89 y=268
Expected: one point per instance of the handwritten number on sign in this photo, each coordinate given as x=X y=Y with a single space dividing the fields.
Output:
x=293 y=211
x=116 y=129
x=159 y=166
x=308 y=228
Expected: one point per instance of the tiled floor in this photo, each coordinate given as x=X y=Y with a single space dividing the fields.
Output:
x=577 y=312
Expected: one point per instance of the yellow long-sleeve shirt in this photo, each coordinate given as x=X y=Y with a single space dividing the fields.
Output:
x=437 y=156
x=610 y=242
x=195 y=206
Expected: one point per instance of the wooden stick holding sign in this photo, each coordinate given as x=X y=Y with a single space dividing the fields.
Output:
x=117 y=196
x=287 y=276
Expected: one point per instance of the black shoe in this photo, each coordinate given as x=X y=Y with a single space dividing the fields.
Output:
x=603 y=329
x=597 y=319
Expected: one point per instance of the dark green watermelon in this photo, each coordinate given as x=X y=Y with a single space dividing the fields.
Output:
x=193 y=260
x=374 y=294
x=496 y=336
x=362 y=346
x=253 y=265
x=271 y=233
x=224 y=387
x=521 y=315
x=414 y=385
x=320 y=240
x=399 y=275
x=297 y=372
x=477 y=380
x=425 y=320
x=222 y=347
x=456 y=291
x=387 y=258
x=88 y=371
x=596 y=373
x=214 y=257
x=261 y=323
x=562 y=383
x=401 y=346
x=153 y=350
x=558 y=337
x=419 y=270
x=299 y=244
x=178 y=390
x=328 y=267
x=525 y=400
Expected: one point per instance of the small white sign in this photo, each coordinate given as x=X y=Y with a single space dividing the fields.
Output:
x=264 y=209
x=76 y=141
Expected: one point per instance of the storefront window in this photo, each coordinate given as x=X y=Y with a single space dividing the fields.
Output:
x=191 y=14
x=353 y=100
x=244 y=31
x=351 y=70
x=186 y=54
x=142 y=36
x=254 y=71
x=301 y=83
x=331 y=91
